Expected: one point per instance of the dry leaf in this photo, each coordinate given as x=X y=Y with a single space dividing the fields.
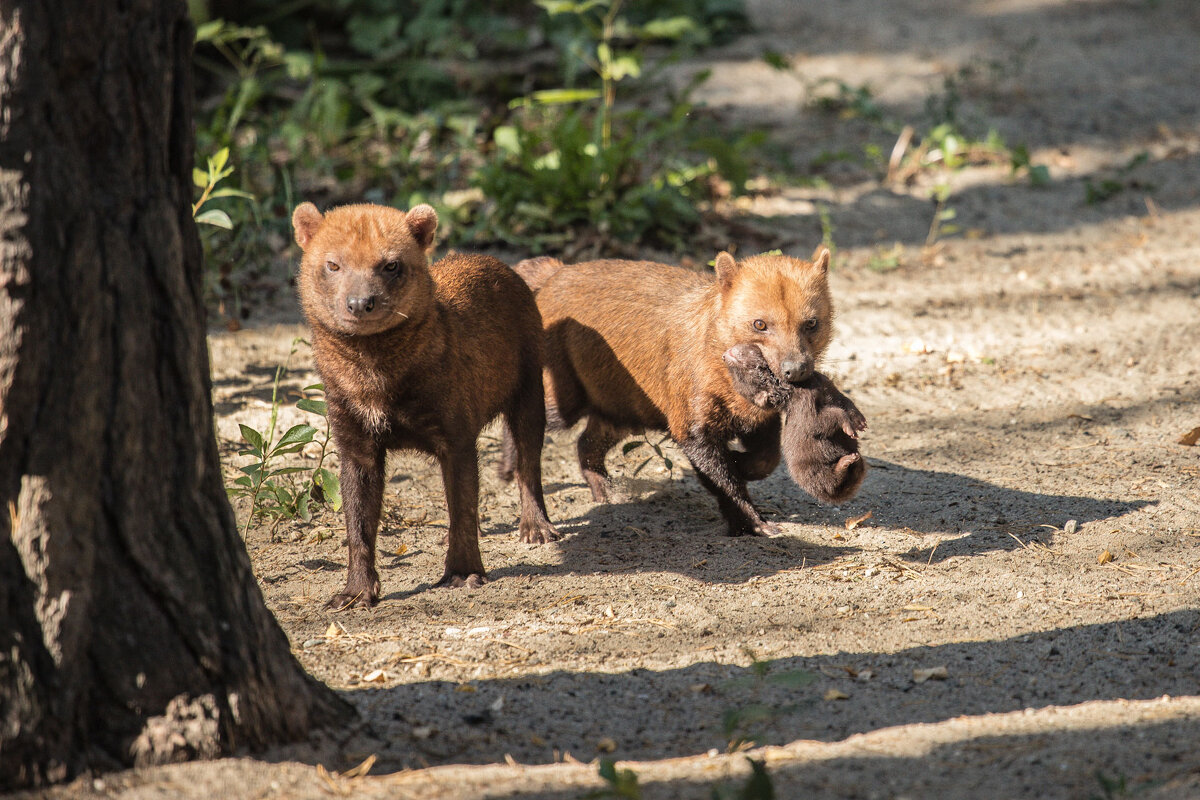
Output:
x=606 y=745
x=700 y=687
x=854 y=522
x=1191 y=437
x=402 y=549
x=374 y=676
x=536 y=740
x=333 y=631
x=836 y=694
x=1104 y=557
x=465 y=687
x=931 y=674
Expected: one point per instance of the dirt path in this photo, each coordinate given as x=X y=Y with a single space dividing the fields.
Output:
x=1026 y=382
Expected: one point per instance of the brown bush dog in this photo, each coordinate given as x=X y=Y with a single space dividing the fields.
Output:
x=419 y=356
x=820 y=435
x=632 y=345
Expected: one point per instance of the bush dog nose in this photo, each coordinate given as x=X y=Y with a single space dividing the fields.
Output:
x=796 y=371
x=361 y=305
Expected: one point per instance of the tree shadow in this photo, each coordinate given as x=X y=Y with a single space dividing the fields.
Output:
x=895 y=216
x=675 y=527
x=536 y=715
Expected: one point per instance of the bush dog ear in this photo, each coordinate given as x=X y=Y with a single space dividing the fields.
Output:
x=305 y=220
x=726 y=268
x=422 y=221
x=821 y=258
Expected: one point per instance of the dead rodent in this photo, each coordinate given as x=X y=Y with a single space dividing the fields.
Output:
x=820 y=435
x=632 y=345
x=419 y=356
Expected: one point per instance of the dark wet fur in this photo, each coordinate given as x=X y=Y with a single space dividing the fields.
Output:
x=820 y=437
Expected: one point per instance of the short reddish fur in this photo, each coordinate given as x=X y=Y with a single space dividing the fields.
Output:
x=444 y=349
x=633 y=345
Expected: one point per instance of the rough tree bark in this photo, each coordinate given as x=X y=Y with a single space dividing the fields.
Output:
x=131 y=627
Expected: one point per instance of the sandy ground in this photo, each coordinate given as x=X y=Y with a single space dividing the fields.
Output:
x=1026 y=381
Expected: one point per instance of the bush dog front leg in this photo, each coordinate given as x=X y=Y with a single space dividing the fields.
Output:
x=717 y=474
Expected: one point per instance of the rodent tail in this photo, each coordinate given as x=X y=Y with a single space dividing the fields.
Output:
x=536 y=271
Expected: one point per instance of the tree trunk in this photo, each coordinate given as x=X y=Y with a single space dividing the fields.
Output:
x=131 y=627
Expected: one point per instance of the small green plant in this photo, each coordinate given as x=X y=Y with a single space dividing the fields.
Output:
x=1107 y=188
x=622 y=783
x=629 y=447
x=271 y=494
x=745 y=724
x=846 y=101
x=827 y=229
x=570 y=159
x=886 y=260
x=1114 y=788
x=1039 y=174
x=943 y=215
x=206 y=180
x=758 y=785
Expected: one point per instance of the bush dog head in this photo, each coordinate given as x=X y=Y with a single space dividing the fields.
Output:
x=365 y=268
x=782 y=305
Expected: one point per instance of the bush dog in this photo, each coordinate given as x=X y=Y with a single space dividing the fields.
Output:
x=820 y=435
x=632 y=345
x=419 y=356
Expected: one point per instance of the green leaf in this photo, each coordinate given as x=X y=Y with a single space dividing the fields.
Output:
x=287 y=471
x=199 y=177
x=297 y=434
x=792 y=678
x=776 y=60
x=555 y=7
x=506 y=139
x=215 y=217
x=312 y=406
x=253 y=437
x=626 y=66
x=758 y=786
x=331 y=486
x=631 y=446
x=299 y=66
x=227 y=192
x=302 y=508
x=209 y=30
x=1039 y=175
x=669 y=27
x=216 y=162
x=554 y=97
x=316 y=387
x=244 y=481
